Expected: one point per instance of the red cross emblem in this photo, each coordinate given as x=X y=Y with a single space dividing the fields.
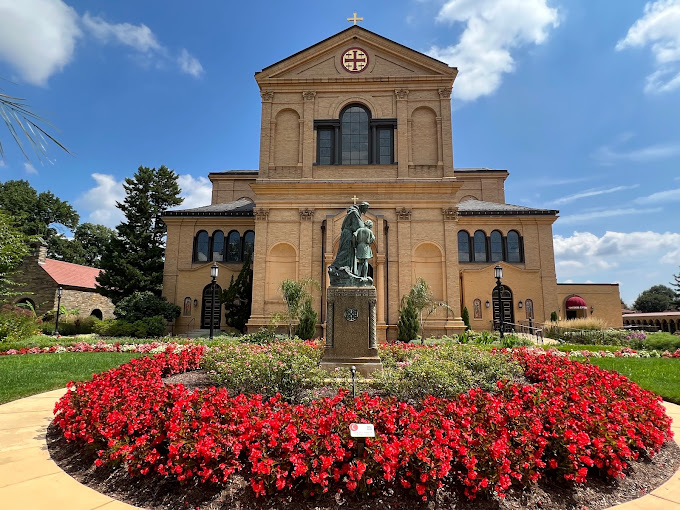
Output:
x=354 y=60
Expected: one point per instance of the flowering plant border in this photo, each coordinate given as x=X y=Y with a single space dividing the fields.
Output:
x=573 y=420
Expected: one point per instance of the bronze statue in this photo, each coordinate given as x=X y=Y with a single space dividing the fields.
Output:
x=343 y=270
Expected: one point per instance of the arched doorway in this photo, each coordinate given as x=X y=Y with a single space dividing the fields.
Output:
x=97 y=313
x=576 y=307
x=502 y=308
x=208 y=306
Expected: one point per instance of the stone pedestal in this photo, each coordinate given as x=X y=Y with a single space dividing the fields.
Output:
x=351 y=337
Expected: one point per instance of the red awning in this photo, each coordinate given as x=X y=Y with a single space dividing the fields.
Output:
x=576 y=303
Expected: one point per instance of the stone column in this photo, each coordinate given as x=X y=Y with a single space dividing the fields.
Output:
x=453 y=290
x=307 y=137
x=402 y=133
x=259 y=269
x=266 y=133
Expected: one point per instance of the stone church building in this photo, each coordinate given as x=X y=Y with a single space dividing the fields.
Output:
x=358 y=117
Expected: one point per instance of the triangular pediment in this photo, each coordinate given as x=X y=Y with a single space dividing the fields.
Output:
x=355 y=53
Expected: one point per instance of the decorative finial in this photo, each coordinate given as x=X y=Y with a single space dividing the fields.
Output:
x=355 y=198
x=355 y=19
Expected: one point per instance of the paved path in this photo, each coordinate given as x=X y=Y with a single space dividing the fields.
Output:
x=30 y=480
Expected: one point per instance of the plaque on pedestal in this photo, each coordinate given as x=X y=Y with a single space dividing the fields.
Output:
x=351 y=330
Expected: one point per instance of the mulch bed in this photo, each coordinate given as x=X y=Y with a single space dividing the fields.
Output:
x=157 y=492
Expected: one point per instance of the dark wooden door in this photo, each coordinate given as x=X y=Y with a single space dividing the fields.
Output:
x=502 y=308
x=208 y=307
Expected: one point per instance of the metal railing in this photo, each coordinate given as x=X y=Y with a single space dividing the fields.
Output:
x=523 y=327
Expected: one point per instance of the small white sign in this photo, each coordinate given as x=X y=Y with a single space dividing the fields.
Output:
x=361 y=430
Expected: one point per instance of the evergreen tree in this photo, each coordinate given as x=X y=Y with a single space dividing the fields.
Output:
x=133 y=260
x=89 y=242
x=676 y=285
x=238 y=298
x=466 y=317
x=307 y=327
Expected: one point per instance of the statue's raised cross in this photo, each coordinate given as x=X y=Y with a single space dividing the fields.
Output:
x=355 y=198
x=355 y=19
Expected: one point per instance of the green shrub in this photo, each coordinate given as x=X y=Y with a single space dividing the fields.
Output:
x=70 y=325
x=408 y=325
x=17 y=324
x=144 y=328
x=658 y=341
x=554 y=317
x=307 y=327
x=142 y=305
x=263 y=336
x=466 y=317
x=445 y=372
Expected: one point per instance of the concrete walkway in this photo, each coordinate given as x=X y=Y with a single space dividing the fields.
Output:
x=30 y=480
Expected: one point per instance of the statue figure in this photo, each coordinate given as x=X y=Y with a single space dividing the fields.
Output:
x=363 y=237
x=342 y=271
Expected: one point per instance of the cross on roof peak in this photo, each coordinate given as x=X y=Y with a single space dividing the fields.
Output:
x=355 y=19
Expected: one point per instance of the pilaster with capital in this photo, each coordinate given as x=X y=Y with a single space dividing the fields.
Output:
x=446 y=131
x=305 y=242
x=402 y=132
x=259 y=260
x=307 y=135
x=450 y=216
x=266 y=132
x=404 y=249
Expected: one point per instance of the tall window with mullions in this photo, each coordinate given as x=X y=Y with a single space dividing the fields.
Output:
x=354 y=130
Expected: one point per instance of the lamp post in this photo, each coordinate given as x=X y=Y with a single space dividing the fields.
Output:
x=213 y=273
x=60 y=291
x=498 y=274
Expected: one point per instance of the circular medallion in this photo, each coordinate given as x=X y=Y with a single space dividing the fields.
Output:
x=354 y=60
x=351 y=314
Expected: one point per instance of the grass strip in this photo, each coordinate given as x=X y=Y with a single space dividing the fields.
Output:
x=29 y=374
x=660 y=375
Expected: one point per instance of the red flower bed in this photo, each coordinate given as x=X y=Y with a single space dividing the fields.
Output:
x=574 y=420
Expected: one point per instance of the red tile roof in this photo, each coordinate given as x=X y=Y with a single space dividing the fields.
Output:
x=73 y=275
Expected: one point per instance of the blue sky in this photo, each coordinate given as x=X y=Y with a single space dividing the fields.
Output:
x=578 y=100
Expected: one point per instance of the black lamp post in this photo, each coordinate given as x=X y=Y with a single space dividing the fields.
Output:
x=213 y=273
x=498 y=274
x=60 y=291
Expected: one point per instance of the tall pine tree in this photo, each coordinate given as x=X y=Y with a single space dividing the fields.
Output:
x=134 y=258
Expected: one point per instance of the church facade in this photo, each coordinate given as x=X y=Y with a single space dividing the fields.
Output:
x=360 y=118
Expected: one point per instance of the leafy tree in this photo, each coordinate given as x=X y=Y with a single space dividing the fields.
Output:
x=13 y=248
x=36 y=213
x=133 y=261
x=466 y=317
x=141 y=305
x=89 y=242
x=419 y=299
x=15 y=112
x=238 y=298
x=657 y=298
x=295 y=295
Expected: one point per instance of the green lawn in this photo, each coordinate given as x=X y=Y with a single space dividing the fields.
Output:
x=660 y=375
x=28 y=374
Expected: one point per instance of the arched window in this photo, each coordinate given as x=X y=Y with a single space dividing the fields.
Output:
x=496 y=246
x=248 y=245
x=354 y=130
x=234 y=247
x=201 y=246
x=480 y=246
x=514 y=250
x=355 y=138
x=218 y=246
x=463 y=246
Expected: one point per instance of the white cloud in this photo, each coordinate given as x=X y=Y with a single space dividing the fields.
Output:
x=30 y=169
x=196 y=192
x=586 y=253
x=608 y=155
x=658 y=28
x=37 y=37
x=139 y=37
x=671 y=195
x=2 y=163
x=592 y=193
x=607 y=213
x=100 y=201
x=493 y=28
x=189 y=64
